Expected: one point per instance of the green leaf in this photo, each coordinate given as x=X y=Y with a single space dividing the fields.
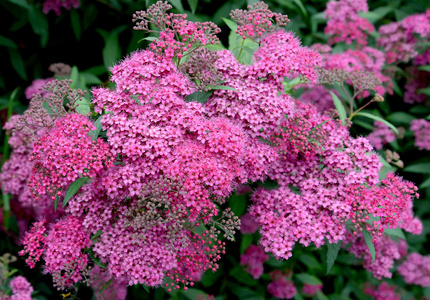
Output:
x=76 y=23
x=332 y=252
x=91 y=78
x=193 y=5
x=18 y=63
x=201 y=97
x=95 y=133
x=238 y=204
x=425 y=91
x=106 y=286
x=73 y=189
x=177 y=4
x=400 y=117
x=112 y=50
x=148 y=38
x=300 y=5
x=376 y=118
x=6 y=210
x=74 y=76
x=421 y=168
x=4 y=41
x=246 y=241
x=308 y=279
x=22 y=3
x=57 y=199
x=397 y=232
x=231 y=24
x=339 y=106
x=39 y=23
x=222 y=87
x=424 y=68
x=83 y=107
x=425 y=183
x=192 y=294
x=369 y=242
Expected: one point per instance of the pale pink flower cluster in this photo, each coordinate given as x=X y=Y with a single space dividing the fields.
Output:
x=344 y=24
x=281 y=286
x=56 y=5
x=399 y=39
x=381 y=135
x=35 y=88
x=248 y=224
x=311 y=290
x=382 y=292
x=387 y=251
x=21 y=289
x=253 y=260
x=416 y=269
x=421 y=129
x=98 y=278
x=319 y=96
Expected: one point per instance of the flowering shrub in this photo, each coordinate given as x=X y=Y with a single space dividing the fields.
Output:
x=145 y=180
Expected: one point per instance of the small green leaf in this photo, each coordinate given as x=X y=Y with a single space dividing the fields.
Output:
x=18 y=63
x=95 y=133
x=332 y=252
x=301 y=6
x=421 y=168
x=22 y=3
x=424 y=68
x=193 y=5
x=91 y=78
x=231 y=24
x=308 y=279
x=106 y=286
x=4 y=41
x=39 y=23
x=57 y=199
x=148 y=38
x=400 y=117
x=95 y=236
x=246 y=241
x=425 y=183
x=369 y=242
x=222 y=87
x=339 y=106
x=425 y=91
x=201 y=97
x=376 y=118
x=76 y=23
x=177 y=4
x=398 y=232
x=83 y=107
x=73 y=189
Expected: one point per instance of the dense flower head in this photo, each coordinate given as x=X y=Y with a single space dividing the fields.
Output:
x=311 y=290
x=319 y=96
x=21 y=288
x=253 y=260
x=56 y=5
x=63 y=254
x=257 y=21
x=382 y=292
x=344 y=24
x=399 y=39
x=65 y=153
x=421 y=129
x=177 y=35
x=97 y=280
x=416 y=269
x=34 y=243
x=381 y=135
x=281 y=287
x=387 y=251
x=36 y=87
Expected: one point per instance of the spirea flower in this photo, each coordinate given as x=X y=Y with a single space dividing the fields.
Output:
x=36 y=87
x=382 y=292
x=416 y=270
x=253 y=260
x=21 y=289
x=56 y=5
x=281 y=287
x=421 y=129
x=381 y=135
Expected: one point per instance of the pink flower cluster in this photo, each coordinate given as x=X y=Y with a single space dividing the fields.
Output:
x=416 y=270
x=56 y=5
x=311 y=290
x=381 y=135
x=35 y=88
x=400 y=38
x=382 y=292
x=319 y=96
x=387 y=252
x=21 y=289
x=344 y=23
x=248 y=224
x=281 y=286
x=421 y=129
x=65 y=153
x=253 y=260
x=62 y=249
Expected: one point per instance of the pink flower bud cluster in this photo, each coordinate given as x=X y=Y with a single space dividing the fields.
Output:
x=421 y=129
x=416 y=270
x=253 y=260
x=399 y=39
x=21 y=289
x=381 y=135
x=257 y=21
x=56 y=5
x=62 y=249
x=387 y=251
x=65 y=153
x=36 y=87
x=281 y=287
x=177 y=35
x=382 y=292
x=344 y=23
